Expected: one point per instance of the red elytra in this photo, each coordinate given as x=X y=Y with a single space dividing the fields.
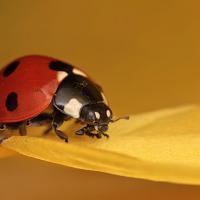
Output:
x=33 y=82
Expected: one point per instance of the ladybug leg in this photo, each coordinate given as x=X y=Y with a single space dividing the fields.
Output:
x=3 y=135
x=49 y=129
x=58 y=120
x=22 y=129
x=82 y=131
x=88 y=131
x=2 y=127
x=42 y=119
x=93 y=135
x=61 y=135
x=104 y=134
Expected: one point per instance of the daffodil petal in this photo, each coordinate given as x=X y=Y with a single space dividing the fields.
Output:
x=162 y=146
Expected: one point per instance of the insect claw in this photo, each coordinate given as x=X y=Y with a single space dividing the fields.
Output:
x=106 y=135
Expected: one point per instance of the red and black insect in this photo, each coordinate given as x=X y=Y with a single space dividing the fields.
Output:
x=30 y=84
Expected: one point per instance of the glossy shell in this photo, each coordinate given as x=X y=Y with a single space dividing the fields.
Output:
x=27 y=88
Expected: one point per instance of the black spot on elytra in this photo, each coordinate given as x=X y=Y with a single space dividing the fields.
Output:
x=11 y=68
x=60 y=66
x=11 y=101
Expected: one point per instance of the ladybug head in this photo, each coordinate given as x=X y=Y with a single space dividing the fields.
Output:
x=98 y=114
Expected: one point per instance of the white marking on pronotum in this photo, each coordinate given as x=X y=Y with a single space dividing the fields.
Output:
x=61 y=75
x=97 y=115
x=73 y=108
x=104 y=98
x=108 y=113
x=79 y=72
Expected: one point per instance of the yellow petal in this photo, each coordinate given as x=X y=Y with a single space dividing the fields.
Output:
x=161 y=146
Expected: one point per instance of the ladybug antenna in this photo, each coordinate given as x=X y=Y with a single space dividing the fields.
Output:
x=119 y=118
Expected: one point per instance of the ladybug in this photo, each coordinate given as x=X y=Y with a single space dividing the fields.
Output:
x=30 y=85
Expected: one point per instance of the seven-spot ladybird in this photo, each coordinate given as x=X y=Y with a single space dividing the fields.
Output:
x=31 y=84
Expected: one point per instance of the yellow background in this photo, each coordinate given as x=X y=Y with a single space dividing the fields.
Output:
x=144 y=53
